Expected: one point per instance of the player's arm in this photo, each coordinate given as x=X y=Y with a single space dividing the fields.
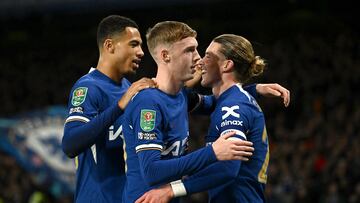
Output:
x=84 y=123
x=197 y=75
x=149 y=146
x=219 y=173
x=274 y=90
x=157 y=171
x=205 y=104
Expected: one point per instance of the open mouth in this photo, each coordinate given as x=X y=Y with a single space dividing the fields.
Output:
x=203 y=71
x=136 y=62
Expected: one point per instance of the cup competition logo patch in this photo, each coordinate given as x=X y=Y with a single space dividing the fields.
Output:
x=147 y=120
x=79 y=96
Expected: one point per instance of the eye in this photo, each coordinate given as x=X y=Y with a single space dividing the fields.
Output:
x=134 y=44
x=190 y=49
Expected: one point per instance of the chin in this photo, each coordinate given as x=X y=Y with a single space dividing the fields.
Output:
x=204 y=83
x=130 y=72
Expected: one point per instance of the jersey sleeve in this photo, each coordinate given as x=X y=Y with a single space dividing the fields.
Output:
x=158 y=171
x=252 y=90
x=200 y=104
x=219 y=173
x=86 y=120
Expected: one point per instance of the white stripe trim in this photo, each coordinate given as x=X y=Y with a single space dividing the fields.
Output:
x=148 y=146
x=91 y=69
x=243 y=91
x=234 y=138
x=81 y=118
x=238 y=132
x=93 y=150
x=178 y=188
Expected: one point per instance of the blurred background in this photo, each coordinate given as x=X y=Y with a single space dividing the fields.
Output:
x=311 y=47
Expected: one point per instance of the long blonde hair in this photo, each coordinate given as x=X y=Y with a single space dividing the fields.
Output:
x=240 y=51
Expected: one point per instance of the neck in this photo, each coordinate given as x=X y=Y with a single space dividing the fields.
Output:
x=108 y=69
x=222 y=86
x=168 y=82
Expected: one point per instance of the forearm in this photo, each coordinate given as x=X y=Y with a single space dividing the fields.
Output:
x=157 y=171
x=212 y=176
x=79 y=135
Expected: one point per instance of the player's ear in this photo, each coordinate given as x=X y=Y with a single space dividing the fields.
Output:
x=165 y=56
x=228 y=66
x=109 y=46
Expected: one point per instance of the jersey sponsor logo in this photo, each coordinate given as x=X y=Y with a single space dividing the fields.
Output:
x=230 y=111
x=147 y=136
x=79 y=96
x=234 y=122
x=177 y=148
x=147 y=120
x=118 y=133
x=78 y=109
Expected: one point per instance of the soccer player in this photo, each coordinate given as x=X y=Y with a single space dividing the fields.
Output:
x=229 y=62
x=93 y=128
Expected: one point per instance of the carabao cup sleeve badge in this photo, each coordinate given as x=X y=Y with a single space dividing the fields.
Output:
x=147 y=120
x=79 y=96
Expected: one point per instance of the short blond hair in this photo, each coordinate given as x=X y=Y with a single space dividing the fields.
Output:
x=167 y=33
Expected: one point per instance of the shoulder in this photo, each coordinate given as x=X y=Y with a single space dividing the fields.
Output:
x=147 y=95
x=86 y=81
x=85 y=88
x=145 y=98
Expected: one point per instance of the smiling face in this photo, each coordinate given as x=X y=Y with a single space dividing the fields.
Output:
x=184 y=55
x=127 y=51
x=213 y=61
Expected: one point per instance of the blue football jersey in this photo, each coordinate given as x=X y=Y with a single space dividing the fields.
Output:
x=236 y=110
x=153 y=120
x=100 y=168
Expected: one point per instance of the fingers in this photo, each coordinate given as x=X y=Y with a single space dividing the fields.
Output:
x=134 y=89
x=287 y=98
x=141 y=199
x=285 y=94
x=274 y=92
x=241 y=158
x=244 y=151
x=242 y=143
x=151 y=82
x=141 y=84
x=244 y=148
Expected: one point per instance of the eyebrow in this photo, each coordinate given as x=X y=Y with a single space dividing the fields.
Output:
x=210 y=53
x=190 y=48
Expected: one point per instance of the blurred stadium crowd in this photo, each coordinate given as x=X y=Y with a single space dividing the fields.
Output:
x=315 y=143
